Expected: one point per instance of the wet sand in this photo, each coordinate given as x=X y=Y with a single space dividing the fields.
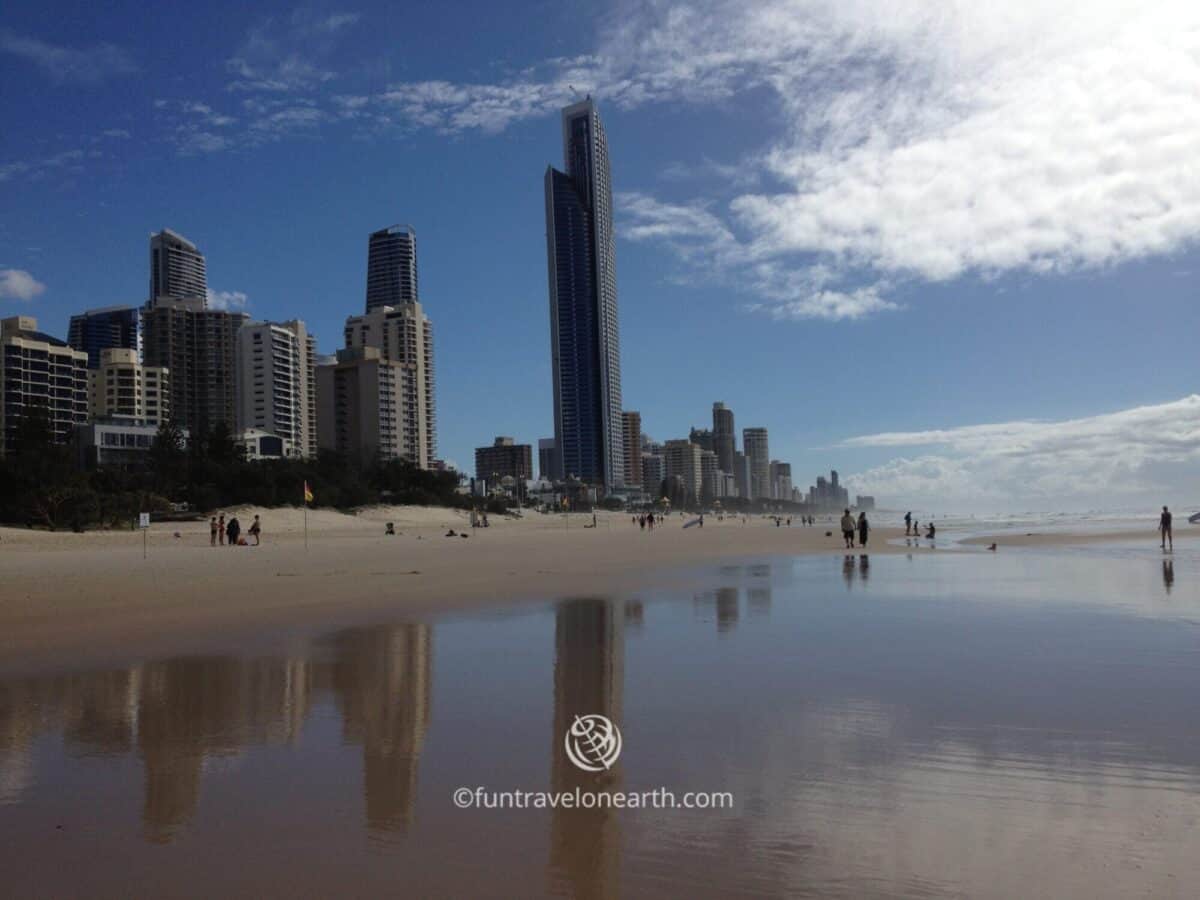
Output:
x=1147 y=536
x=893 y=725
x=92 y=596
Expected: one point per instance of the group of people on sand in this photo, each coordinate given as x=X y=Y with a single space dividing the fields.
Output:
x=647 y=521
x=913 y=527
x=850 y=525
x=221 y=532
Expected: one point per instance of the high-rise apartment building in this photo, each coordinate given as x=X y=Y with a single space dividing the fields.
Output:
x=724 y=437
x=780 y=474
x=404 y=335
x=653 y=473
x=683 y=459
x=758 y=454
x=584 y=339
x=504 y=459
x=177 y=268
x=548 y=460
x=741 y=474
x=712 y=485
x=359 y=406
x=701 y=437
x=122 y=388
x=392 y=267
x=276 y=383
x=97 y=330
x=198 y=346
x=39 y=371
x=631 y=435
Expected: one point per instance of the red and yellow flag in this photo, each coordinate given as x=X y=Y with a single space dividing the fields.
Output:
x=308 y=495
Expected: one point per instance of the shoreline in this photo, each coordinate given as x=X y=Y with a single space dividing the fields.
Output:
x=68 y=599
x=1147 y=536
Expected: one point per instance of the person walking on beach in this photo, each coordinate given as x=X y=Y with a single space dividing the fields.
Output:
x=256 y=531
x=864 y=528
x=213 y=528
x=221 y=529
x=908 y=523
x=848 y=529
x=1164 y=527
x=232 y=530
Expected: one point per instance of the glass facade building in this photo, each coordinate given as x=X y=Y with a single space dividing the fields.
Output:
x=392 y=267
x=585 y=345
x=111 y=328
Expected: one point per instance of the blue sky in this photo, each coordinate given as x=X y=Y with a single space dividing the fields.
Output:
x=865 y=226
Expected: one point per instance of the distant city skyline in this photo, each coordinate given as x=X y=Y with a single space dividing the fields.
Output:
x=969 y=289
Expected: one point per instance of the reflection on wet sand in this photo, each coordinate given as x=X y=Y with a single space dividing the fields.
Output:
x=856 y=568
x=183 y=712
x=953 y=731
x=589 y=679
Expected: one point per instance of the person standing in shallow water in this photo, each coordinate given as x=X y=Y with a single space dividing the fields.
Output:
x=221 y=529
x=1164 y=527
x=864 y=528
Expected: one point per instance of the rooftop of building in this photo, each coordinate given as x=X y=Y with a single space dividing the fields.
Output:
x=396 y=229
x=26 y=327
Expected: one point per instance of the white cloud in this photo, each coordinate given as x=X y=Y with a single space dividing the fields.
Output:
x=283 y=55
x=712 y=251
x=1148 y=451
x=915 y=140
x=227 y=300
x=17 y=284
x=69 y=64
x=37 y=168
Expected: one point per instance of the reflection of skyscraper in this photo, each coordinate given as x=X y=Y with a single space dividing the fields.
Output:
x=186 y=705
x=759 y=600
x=727 y=608
x=585 y=347
x=383 y=679
x=589 y=674
x=195 y=707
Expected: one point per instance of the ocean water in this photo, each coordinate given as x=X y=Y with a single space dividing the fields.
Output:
x=941 y=725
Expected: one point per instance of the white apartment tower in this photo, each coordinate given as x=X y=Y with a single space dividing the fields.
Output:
x=39 y=371
x=276 y=383
x=360 y=413
x=403 y=335
x=122 y=388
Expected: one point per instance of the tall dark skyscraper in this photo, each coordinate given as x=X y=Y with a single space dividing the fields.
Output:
x=585 y=345
x=392 y=267
x=177 y=268
x=97 y=330
x=724 y=438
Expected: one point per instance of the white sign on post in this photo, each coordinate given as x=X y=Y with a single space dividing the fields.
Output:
x=143 y=520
